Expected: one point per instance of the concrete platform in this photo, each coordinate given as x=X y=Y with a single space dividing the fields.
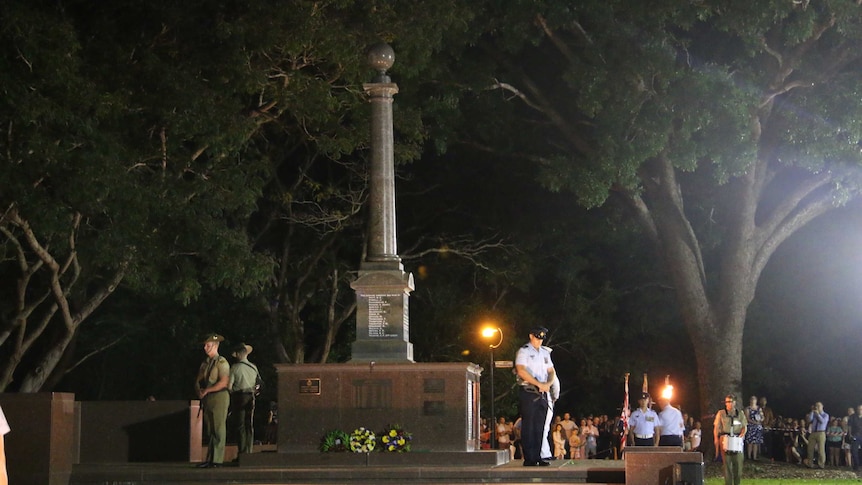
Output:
x=563 y=471
x=417 y=458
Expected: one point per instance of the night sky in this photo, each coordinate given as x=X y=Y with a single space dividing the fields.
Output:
x=804 y=332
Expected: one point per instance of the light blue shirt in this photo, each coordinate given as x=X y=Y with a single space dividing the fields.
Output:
x=819 y=421
x=536 y=361
x=670 y=420
x=643 y=423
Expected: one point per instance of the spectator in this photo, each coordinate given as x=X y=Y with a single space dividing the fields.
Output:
x=689 y=425
x=754 y=435
x=767 y=448
x=695 y=436
x=603 y=442
x=575 y=444
x=788 y=436
x=516 y=438
x=854 y=428
x=834 y=438
x=817 y=439
x=617 y=437
x=850 y=412
x=559 y=437
x=592 y=435
x=799 y=439
x=504 y=430
x=484 y=435
x=796 y=441
x=845 y=445
x=568 y=426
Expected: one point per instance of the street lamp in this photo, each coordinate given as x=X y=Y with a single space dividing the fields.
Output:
x=488 y=332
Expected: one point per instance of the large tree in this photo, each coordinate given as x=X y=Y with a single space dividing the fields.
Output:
x=121 y=164
x=724 y=126
x=146 y=133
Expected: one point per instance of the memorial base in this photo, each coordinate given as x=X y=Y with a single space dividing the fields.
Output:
x=381 y=350
x=650 y=465
x=375 y=459
x=438 y=403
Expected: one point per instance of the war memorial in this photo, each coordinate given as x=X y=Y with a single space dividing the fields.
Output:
x=71 y=442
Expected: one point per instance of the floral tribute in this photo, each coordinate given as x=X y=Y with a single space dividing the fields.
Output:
x=394 y=438
x=334 y=441
x=362 y=440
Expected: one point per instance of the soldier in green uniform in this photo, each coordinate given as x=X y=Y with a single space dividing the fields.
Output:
x=730 y=421
x=211 y=386
x=243 y=375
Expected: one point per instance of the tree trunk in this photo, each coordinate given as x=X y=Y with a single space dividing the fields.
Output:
x=719 y=364
x=713 y=306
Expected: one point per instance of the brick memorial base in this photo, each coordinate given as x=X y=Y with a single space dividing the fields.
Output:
x=649 y=465
x=438 y=403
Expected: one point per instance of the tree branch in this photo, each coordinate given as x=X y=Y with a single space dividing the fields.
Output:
x=94 y=352
x=517 y=92
x=463 y=247
x=790 y=203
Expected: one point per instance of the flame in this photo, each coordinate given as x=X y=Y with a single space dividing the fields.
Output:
x=667 y=392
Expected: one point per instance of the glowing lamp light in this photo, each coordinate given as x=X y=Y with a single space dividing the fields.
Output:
x=667 y=392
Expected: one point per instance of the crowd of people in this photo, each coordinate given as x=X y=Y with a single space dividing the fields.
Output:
x=815 y=439
x=750 y=433
x=589 y=437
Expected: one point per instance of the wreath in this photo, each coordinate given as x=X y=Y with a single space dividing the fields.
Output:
x=396 y=439
x=335 y=440
x=362 y=440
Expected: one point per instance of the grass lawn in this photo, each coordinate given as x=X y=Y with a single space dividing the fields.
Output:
x=787 y=481
x=780 y=473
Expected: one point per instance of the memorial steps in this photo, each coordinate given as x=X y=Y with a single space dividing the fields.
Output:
x=561 y=471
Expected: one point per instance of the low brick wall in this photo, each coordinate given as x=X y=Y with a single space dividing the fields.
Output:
x=43 y=443
x=654 y=465
x=136 y=431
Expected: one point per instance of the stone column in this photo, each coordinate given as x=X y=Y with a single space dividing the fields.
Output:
x=382 y=288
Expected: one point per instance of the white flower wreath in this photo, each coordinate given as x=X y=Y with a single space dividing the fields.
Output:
x=362 y=440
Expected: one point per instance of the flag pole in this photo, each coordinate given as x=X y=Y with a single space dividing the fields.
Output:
x=624 y=417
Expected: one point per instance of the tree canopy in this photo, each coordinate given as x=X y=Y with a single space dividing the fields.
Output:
x=197 y=150
x=723 y=126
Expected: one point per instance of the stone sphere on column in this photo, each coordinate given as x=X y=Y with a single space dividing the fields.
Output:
x=381 y=57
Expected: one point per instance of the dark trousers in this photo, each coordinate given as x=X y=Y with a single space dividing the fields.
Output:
x=242 y=414
x=669 y=440
x=644 y=441
x=534 y=409
x=854 y=449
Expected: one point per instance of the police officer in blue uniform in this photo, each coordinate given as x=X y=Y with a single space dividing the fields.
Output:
x=535 y=376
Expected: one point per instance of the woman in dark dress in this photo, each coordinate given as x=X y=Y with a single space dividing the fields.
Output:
x=754 y=434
